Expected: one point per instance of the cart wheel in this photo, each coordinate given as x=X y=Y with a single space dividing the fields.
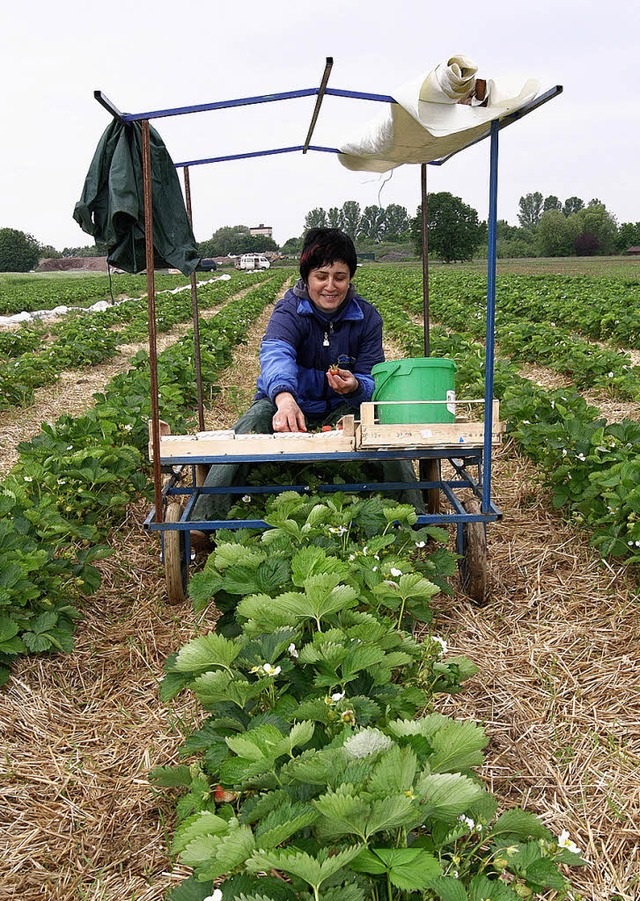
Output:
x=430 y=472
x=175 y=558
x=474 y=568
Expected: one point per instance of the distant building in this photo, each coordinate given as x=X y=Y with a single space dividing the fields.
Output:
x=634 y=251
x=261 y=231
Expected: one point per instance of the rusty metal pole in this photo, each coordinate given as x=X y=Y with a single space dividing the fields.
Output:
x=151 y=313
x=197 y=359
x=425 y=259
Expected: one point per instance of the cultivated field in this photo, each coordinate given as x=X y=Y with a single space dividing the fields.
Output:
x=556 y=648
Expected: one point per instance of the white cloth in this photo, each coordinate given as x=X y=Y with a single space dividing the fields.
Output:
x=428 y=121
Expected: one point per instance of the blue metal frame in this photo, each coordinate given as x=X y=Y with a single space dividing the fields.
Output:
x=481 y=458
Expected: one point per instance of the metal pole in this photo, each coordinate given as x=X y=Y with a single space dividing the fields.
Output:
x=429 y=468
x=316 y=109
x=425 y=259
x=194 y=306
x=151 y=312
x=491 y=313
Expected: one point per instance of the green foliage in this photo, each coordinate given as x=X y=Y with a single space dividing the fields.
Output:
x=317 y=762
x=95 y=337
x=18 y=252
x=455 y=231
x=75 y=479
x=596 y=222
x=530 y=208
x=374 y=223
x=554 y=235
x=235 y=240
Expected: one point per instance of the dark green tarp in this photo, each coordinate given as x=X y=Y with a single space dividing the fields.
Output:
x=112 y=210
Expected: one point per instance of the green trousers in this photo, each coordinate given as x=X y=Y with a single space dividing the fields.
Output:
x=258 y=420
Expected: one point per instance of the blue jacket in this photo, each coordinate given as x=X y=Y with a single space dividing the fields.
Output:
x=301 y=343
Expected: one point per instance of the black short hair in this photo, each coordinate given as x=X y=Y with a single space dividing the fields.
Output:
x=324 y=246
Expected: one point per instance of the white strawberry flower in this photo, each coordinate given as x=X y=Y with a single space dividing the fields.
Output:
x=565 y=842
x=270 y=670
x=216 y=896
x=443 y=644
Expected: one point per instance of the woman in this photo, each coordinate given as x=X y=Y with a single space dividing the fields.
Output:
x=315 y=360
x=320 y=344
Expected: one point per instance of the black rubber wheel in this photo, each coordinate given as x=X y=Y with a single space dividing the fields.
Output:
x=473 y=563
x=175 y=558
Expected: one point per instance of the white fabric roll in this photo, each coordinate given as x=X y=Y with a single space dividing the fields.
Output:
x=418 y=130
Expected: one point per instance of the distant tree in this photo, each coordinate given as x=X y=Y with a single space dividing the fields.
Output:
x=315 y=219
x=396 y=223
x=351 y=218
x=554 y=235
x=628 y=236
x=504 y=231
x=454 y=229
x=572 y=205
x=19 y=252
x=595 y=230
x=99 y=249
x=530 y=209
x=372 y=223
x=334 y=217
x=292 y=246
x=595 y=202
x=48 y=252
x=586 y=244
x=551 y=203
x=235 y=239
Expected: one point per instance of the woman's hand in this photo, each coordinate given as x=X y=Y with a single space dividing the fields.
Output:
x=342 y=381
x=289 y=417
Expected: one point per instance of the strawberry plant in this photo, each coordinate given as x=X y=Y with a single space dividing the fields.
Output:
x=74 y=479
x=317 y=773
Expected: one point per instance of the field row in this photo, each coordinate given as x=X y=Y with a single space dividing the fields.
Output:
x=592 y=467
x=27 y=293
x=75 y=478
x=28 y=361
x=537 y=321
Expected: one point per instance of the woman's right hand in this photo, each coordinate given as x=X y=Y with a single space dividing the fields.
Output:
x=289 y=417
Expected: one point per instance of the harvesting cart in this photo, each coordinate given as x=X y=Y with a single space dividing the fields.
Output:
x=453 y=456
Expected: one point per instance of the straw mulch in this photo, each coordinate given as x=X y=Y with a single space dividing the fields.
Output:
x=558 y=689
x=557 y=692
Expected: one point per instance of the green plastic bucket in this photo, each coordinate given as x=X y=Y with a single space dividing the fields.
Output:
x=417 y=378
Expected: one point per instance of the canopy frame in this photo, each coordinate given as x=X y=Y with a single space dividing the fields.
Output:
x=492 y=132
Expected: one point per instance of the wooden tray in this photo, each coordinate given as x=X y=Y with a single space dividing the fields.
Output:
x=225 y=442
x=463 y=432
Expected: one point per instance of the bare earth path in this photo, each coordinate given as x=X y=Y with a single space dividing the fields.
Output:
x=558 y=648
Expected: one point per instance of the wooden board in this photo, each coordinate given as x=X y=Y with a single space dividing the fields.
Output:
x=225 y=442
x=465 y=433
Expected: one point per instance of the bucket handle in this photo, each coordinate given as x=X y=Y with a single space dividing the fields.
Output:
x=386 y=378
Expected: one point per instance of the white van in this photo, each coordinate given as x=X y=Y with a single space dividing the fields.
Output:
x=253 y=261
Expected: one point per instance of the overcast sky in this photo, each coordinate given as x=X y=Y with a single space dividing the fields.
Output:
x=154 y=55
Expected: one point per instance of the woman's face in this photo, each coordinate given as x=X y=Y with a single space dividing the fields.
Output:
x=328 y=285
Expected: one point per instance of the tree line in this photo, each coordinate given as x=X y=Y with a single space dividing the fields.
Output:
x=548 y=227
